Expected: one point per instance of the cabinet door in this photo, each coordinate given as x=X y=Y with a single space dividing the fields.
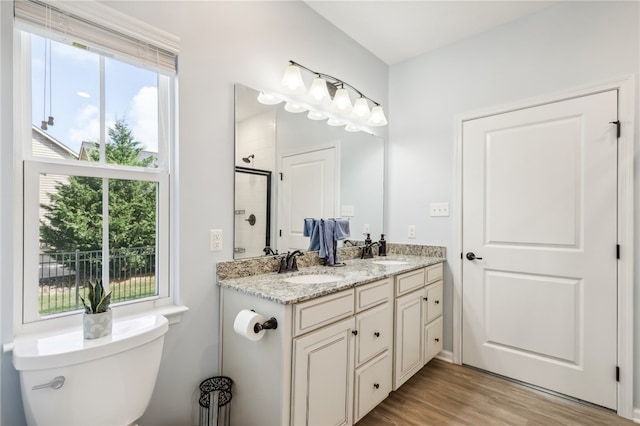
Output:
x=432 y=340
x=434 y=302
x=322 y=388
x=373 y=384
x=374 y=332
x=408 y=337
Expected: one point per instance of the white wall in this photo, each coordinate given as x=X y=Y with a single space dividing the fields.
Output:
x=565 y=46
x=221 y=43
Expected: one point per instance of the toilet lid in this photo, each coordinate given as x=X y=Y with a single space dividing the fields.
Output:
x=40 y=351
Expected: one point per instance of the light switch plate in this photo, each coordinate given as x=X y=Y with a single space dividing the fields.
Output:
x=366 y=229
x=439 y=209
x=412 y=231
x=347 y=211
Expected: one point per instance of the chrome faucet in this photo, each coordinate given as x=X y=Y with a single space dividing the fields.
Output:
x=288 y=262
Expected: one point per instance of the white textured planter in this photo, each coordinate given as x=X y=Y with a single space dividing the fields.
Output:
x=97 y=325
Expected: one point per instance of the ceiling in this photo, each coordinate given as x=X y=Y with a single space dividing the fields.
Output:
x=395 y=31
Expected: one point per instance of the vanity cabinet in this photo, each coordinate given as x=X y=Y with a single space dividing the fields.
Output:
x=328 y=359
x=331 y=358
x=323 y=376
x=374 y=339
x=418 y=321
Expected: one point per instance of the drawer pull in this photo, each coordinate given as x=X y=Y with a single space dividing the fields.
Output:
x=377 y=334
x=376 y=385
x=437 y=302
x=437 y=339
x=354 y=332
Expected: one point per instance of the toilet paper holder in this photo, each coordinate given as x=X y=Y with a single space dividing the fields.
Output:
x=270 y=324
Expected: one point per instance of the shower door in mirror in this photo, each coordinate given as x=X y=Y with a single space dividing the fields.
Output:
x=252 y=213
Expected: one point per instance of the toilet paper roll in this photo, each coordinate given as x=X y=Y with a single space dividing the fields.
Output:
x=245 y=322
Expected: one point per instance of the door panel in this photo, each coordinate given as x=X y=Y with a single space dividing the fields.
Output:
x=308 y=190
x=539 y=213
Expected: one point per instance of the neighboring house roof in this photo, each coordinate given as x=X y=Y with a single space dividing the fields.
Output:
x=45 y=145
x=86 y=147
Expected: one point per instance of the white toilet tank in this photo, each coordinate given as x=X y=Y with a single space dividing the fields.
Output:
x=105 y=381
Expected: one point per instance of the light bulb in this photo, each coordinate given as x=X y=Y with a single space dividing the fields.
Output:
x=341 y=101
x=316 y=116
x=318 y=91
x=361 y=109
x=377 y=117
x=268 y=99
x=351 y=128
x=335 y=122
x=292 y=79
x=294 y=108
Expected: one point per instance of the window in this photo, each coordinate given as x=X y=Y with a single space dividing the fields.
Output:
x=95 y=146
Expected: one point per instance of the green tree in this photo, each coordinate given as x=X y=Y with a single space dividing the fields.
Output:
x=73 y=218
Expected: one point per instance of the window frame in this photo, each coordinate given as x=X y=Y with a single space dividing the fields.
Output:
x=28 y=168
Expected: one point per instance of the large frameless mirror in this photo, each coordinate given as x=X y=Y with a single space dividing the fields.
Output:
x=289 y=167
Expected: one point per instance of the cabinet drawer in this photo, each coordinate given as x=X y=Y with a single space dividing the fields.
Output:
x=373 y=384
x=434 y=302
x=374 y=332
x=432 y=340
x=409 y=281
x=319 y=312
x=370 y=295
x=434 y=273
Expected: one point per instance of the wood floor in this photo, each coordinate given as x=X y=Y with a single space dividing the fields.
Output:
x=447 y=394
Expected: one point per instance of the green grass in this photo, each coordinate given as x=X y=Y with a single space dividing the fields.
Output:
x=58 y=299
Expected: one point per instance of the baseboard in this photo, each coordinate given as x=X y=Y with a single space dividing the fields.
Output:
x=446 y=356
x=636 y=415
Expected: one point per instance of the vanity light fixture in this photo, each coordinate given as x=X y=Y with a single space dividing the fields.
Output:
x=328 y=97
x=268 y=99
x=316 y=116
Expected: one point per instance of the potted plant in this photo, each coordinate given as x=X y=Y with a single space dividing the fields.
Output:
x=97 y=318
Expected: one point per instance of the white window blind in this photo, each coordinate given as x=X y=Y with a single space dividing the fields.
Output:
x=111 y=34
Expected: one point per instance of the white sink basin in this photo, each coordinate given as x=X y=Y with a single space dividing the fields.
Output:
x=312 y=279
x=390 y=262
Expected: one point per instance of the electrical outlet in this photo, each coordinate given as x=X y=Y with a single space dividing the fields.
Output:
x=412 y=231
x=366 y=229
x=439 y=209
x=215 y=242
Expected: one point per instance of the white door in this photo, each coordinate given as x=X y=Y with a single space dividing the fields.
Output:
x=308 y=190
x=539 y=208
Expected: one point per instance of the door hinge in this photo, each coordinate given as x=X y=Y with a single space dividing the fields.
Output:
x=280 y=176
x=280 y=232
x=460 y=255
x=617 y=123
x=618 y=251
x=617 y=374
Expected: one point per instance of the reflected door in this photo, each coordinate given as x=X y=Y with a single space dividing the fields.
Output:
x=539 y=197
x=308 y=190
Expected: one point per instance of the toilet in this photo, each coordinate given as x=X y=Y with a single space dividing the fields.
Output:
x=67 y=380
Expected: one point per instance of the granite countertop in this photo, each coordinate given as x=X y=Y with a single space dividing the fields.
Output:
x=271 y=286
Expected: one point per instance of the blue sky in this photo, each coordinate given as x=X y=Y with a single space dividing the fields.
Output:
x=131 y=93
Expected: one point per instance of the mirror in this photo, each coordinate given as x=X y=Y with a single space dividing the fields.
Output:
x=289 y=167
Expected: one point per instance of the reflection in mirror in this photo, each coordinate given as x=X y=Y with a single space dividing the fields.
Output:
x=321 y=172
x=252 y=212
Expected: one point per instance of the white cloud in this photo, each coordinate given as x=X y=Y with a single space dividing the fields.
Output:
x=87 y=126
x=143 y=118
